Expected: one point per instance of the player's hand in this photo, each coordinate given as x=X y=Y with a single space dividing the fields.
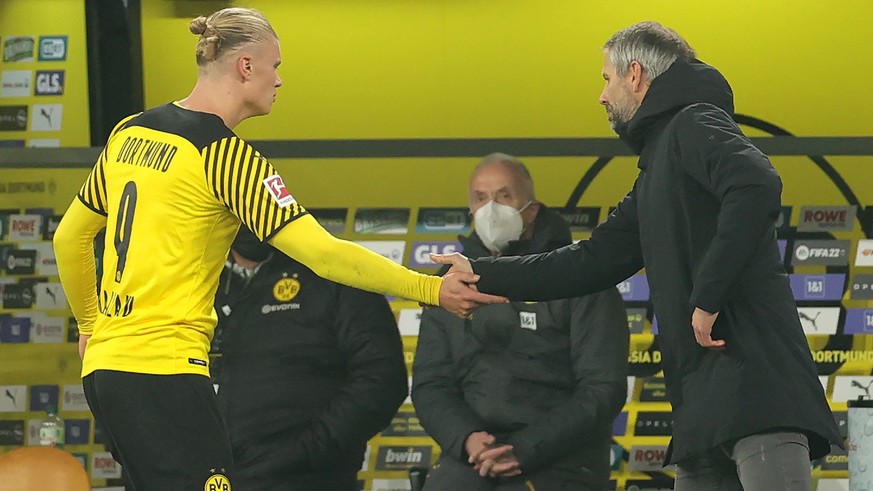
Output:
x=83 y=343
x=459 y=296
x=702 y=322
x=462 y=296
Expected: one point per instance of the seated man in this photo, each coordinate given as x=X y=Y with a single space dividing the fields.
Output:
x=520 y=395
x=309 y=370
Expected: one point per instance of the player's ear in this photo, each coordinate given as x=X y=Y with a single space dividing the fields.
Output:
x=244 y=66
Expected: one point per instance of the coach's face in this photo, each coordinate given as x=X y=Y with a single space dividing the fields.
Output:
x=618 y=94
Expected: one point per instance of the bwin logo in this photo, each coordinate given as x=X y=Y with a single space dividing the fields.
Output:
x=408 y=457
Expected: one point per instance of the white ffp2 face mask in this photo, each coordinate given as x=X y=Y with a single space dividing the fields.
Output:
x=497 y=225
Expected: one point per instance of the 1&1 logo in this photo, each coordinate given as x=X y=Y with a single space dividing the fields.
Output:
x=217 y=482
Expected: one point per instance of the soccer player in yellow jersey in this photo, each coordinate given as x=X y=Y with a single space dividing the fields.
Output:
x=171 y=187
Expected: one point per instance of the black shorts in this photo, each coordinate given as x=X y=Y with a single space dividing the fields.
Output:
x=164 y=430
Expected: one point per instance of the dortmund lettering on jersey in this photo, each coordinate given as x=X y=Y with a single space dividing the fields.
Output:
x=174 y=186
x=153 y=154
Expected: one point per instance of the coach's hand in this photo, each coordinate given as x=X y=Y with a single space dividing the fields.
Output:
x=459 y=296
x=456 y=260
x=702 y=322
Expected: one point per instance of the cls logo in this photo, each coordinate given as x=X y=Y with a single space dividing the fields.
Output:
x=49 y=82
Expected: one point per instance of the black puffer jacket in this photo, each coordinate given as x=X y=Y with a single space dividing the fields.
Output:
x=548 y=378
x=310 y=370
x=701 y=218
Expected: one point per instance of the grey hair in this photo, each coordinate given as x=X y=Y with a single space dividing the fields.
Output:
x=511 y=163
x=654 y=46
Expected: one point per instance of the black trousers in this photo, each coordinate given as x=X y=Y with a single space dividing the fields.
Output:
x=164 y=430
x=342 y=481
x=450 y=475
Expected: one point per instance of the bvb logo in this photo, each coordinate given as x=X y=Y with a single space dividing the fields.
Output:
x=217 y=482
x=286 y=289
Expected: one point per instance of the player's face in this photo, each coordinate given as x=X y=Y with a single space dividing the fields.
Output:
x=265 y=81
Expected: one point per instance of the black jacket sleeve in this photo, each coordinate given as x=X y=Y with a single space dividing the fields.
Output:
x=599 y=353
x=612 y=254
x=716 y=154
x=376 y=383
x=438 y=400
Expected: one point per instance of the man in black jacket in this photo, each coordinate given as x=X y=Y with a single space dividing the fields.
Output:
x=521 y=395
x=748 y=409
x=309 y=370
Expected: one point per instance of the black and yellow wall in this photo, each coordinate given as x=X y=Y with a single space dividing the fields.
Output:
x=448 y=69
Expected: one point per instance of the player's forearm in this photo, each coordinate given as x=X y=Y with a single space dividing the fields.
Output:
x=77 y=268
x=351 y=264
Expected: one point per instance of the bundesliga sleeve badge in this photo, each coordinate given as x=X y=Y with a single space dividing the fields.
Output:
x=276 y=186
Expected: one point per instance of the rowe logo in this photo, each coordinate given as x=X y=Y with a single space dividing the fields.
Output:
x=817 y=218
x=24 y=226
x=103 y=466
x=647 y=457
x=394 y=458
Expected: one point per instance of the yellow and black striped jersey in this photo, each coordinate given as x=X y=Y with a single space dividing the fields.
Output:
x=174 y=185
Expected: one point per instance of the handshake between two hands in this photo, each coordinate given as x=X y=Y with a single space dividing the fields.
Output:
x=490 y=459
x=458 y=293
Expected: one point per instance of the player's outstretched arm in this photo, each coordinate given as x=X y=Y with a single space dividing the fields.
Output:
x=354 y=265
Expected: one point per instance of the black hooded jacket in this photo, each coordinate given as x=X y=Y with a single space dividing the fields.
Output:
x=701 y=218
x=310 y=370
x=551 y=386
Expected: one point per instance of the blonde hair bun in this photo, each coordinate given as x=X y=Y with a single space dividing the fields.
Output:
x=198 y=25
x=227 y=30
